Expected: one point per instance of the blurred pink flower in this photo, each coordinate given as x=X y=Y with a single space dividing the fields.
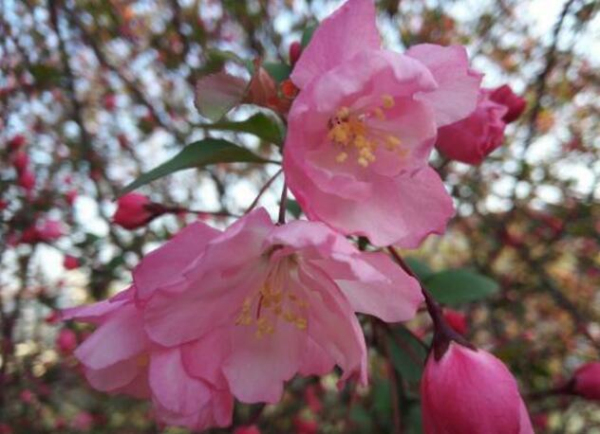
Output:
x=70 y=262
x=362 y=128
x=471 y=391
x=587 y=381
x=26 y=180
x=83 y=421
x=275 y=301
x=474 y=138
x=49 y=230
x=66 y=341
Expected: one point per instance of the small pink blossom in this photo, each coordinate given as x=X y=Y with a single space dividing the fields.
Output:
x=50 y=230
x=275 y=301
x=26 y=180
x=20 y=161
x=66 y=341
x=363 y=126
x=17 y=142
x=471 y=391
x=474 y=138
x=587 y=381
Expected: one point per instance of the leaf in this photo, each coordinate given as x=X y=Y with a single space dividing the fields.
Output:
x=261 y=125
x=293 y=207
x=198 y=154
x=457 y=287
x=420 y=268
x=407 y=353
x=218 y=93
x=308 y=34
x=279 y=71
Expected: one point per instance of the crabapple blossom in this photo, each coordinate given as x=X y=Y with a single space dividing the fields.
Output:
x=361 y=130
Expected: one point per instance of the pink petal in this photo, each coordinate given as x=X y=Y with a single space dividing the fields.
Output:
x=97 y=312
x=173 y=387
x=389 y=293
x=204 y=357
x=258 y=367
x=332 y=323
x=456 y=96
x=526 y=427
x=349 y=30
x=113 y=377
x=165 y=265
x=119 y=338
x=316 y=361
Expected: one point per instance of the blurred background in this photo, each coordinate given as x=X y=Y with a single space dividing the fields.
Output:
x=93 y=93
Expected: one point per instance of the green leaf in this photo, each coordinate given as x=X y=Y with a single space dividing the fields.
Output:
x=308 y=34
x=293 y=207
x=278 y=71
x=407 y=353
x=457 y=287
x=420 y=268
x=261 y=125
x=198 y=154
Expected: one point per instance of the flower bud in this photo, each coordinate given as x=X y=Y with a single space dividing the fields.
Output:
x=17 y=142
x=587 y=381
x=70 y=262
x=514 y=103
x=456 y=320
x=66 y=341
x=26 y=180
x=295 y=52
x=50 y=230
x=475 y=137
x=470 y=391
x=20 y=161
x=135 y=210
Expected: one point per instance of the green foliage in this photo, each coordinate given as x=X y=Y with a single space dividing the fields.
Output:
x=278 y=71
x=262 y=125
x=308 y=34
x=457 y=287
x=407 y=353
x=293 y=207
x=198 y=154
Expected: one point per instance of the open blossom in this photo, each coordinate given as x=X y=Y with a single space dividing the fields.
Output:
x=471 y=391
x=474 y=138
x=119 y=358
x=268 y=302
x=362 y=128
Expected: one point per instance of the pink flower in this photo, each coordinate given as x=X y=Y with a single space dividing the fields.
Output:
x=20 y=161
x=514 y=104
x=472 y=139
x=26 y=179
x=66 y=341
x=186 y=386
x=362 y=128
x=471 y=391
x=70 y=262
x=265 y=302
x=17 y=142
x=50 y=230
x=587 y=381
x=134 y=210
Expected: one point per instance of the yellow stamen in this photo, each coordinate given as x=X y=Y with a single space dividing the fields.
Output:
x=388 y=101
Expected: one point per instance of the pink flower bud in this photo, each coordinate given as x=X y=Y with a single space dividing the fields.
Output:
x=587 y=381
x=470 y=391
x=20 y=161
x=295 y=52
x=17 y=142
x=26 y=180
x=134 y=210
x=456 y=320
x=70 y=262
x=66 y=341
x=70 y=196
x=475 y=137
x=515 y=104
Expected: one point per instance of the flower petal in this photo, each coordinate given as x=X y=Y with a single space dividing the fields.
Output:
x=350 y=29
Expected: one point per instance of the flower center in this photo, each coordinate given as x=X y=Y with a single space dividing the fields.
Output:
x=356 y=132
x=273 y=302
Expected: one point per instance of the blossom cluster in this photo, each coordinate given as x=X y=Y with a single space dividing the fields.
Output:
x=216 y=315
